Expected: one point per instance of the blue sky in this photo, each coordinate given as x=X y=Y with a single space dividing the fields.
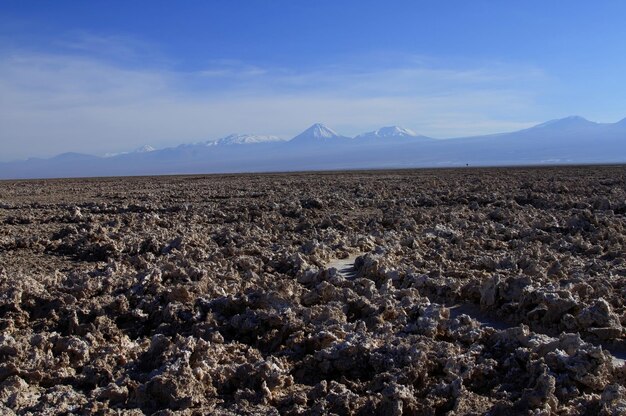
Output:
x=100 y=77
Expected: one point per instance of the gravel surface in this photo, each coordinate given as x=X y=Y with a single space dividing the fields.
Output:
x=426 y=292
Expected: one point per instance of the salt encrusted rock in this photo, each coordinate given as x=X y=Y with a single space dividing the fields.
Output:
x=606 y=333
x=8 y=345
x=614 y=399
x=541 y=393
x=76 y=349
x=598 y=315
x=488 y=291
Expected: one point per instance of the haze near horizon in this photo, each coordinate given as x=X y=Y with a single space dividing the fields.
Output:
x=108 y=78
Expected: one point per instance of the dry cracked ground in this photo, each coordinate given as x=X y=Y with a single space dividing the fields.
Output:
x=478 y=291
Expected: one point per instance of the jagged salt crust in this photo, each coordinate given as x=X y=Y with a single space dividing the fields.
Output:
x=214 y=295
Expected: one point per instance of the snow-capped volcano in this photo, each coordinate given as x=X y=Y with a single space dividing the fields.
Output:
x=388 y=132
x=317 y=133
x=244 y=139
x=146 y=148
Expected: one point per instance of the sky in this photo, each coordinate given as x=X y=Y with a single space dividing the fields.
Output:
x=109 y=76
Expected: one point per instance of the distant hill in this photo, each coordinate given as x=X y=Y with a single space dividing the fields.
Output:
x=563 y=141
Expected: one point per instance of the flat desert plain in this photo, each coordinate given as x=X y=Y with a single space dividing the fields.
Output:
x=422 y=292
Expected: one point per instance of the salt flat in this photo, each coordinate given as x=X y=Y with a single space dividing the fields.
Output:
x=425 y=291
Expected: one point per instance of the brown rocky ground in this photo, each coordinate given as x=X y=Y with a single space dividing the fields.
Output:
x=212 y=294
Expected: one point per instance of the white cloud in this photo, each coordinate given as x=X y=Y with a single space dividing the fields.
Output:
x=55 y=103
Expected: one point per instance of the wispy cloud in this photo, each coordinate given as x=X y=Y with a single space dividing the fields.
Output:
x=56 y=102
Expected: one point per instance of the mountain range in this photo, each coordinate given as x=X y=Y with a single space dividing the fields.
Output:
x=570 y=140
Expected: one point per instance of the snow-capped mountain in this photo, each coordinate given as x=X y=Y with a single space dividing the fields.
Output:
x=146 y=148
x=318 y=133
x=391 y=132
x=566 y=140
x=244 y=139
